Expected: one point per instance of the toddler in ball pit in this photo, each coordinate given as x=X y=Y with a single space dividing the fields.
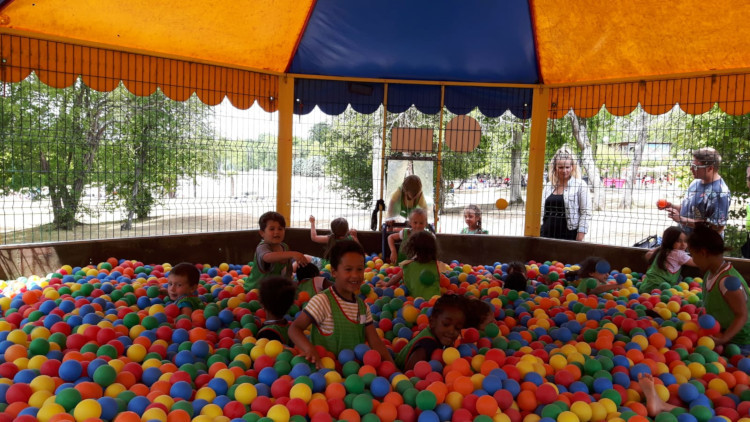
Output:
x=450 y=314
x=310 y=281
x=417 y=223
x=592 y=276
x=666 y=261
x=182 y=283
x=340 y=319
x=421 y=273
x=339 y=231
x=277 y=296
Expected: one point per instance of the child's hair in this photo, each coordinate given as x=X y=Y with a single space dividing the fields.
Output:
x=668 y=239
x=516 y=281
x=277 y=295
x=706 y=239
x=412 y=184
x=477 y=212
x=450 y=300
x=305 y=272
x=516 y=267
x=271 y=216
x=339 y=229
x=477 y=312
x=422 y=246
x=586 y=268
x=419 y=211
x=343 y=247
x=188 y=270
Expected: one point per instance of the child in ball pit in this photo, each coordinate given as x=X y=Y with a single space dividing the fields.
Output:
x=339 y=231
x=448 y=318
x=277 y=296
x=725 y=292
x=417 y=223
x=421 y=273
x=666 y=261
x=182 y=283
x=340 y=319
x=310 y=281
x=272 y=256
x=592 y=276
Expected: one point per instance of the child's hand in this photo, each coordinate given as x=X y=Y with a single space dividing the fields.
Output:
x=312 y=356
x=301 y=258
x=381 y=283
x=312 y=219
x=394 y=258
x=353 y=233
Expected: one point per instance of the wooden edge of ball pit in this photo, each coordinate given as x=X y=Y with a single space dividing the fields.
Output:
x=238 y=247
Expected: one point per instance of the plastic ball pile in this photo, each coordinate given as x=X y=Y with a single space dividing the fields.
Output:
x=99 y=343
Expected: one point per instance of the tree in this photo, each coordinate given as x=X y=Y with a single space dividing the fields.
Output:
x=580 y=133
x=54 y=135
x=641 y=129
x=160 y=142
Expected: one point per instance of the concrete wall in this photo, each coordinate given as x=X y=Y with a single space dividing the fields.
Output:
x=239 y=247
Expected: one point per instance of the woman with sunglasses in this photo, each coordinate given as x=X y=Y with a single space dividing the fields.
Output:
x=708 y=197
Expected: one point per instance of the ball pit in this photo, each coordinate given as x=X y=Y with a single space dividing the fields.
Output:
x=99 y=343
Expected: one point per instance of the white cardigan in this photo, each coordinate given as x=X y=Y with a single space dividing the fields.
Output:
x=577 y=205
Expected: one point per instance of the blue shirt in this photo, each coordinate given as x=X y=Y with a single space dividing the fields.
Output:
x=709 y=202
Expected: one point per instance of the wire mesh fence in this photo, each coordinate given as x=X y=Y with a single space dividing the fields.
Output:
x=78 y=163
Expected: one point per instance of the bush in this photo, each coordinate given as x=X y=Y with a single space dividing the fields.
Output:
x=310 y=166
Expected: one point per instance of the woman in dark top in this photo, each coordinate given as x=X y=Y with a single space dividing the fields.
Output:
x=566 y=200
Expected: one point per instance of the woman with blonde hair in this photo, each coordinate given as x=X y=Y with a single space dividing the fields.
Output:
x=567 y=210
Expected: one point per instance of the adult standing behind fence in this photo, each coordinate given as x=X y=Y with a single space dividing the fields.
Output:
x=407 y=197
x=567 y=210
x=708 y=197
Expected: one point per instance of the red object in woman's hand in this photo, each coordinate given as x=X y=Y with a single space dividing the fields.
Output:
x=661 y=204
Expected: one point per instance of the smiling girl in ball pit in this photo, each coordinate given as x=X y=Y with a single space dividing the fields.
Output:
x=340 y=319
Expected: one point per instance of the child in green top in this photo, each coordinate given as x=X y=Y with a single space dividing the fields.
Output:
x=182 y=282
x=340 y=319
x=725 y=292
x=417 y=223
x=310 y=281
x=339 y=231
x=277 y=296
x=272 y=256
x=666 y=261
x=473 y=220
x=447 y=319
x=421 y=273
x=592 y=276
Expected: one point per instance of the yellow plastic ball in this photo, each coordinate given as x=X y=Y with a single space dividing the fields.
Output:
x=87 y=409
x=278 y=413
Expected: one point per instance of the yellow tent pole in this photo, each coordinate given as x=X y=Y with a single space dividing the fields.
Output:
x=439 y=181
x=284 y=153
x=539 y=113
x=382 y=150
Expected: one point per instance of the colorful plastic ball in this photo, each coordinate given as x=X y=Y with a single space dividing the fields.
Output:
x=687 y=392
x=86 y=409
x=603 y=267
x=707 y=321
x=105 y=375
x=278 y=413
x=70 y=370
x=426 y=400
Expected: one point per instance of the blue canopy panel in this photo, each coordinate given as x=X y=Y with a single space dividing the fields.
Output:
x=332 y=97
x=472 y=40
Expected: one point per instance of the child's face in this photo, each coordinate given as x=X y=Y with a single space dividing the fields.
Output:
x=418 y=222
x=349 y=274
x=600 y=277
x=681 y=243
x=447 y=326
x=470 y=218
x=178 y=285
x=273 y=234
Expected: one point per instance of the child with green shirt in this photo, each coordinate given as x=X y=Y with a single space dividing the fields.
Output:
x=339 y=318
x=272 y=256
x=277 y=296
x=182 y=282
x=421 y=273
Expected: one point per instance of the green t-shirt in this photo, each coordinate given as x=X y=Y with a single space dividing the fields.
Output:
x=587 y=284
x=422 y=280
x=466 y=230
x=192 y=302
